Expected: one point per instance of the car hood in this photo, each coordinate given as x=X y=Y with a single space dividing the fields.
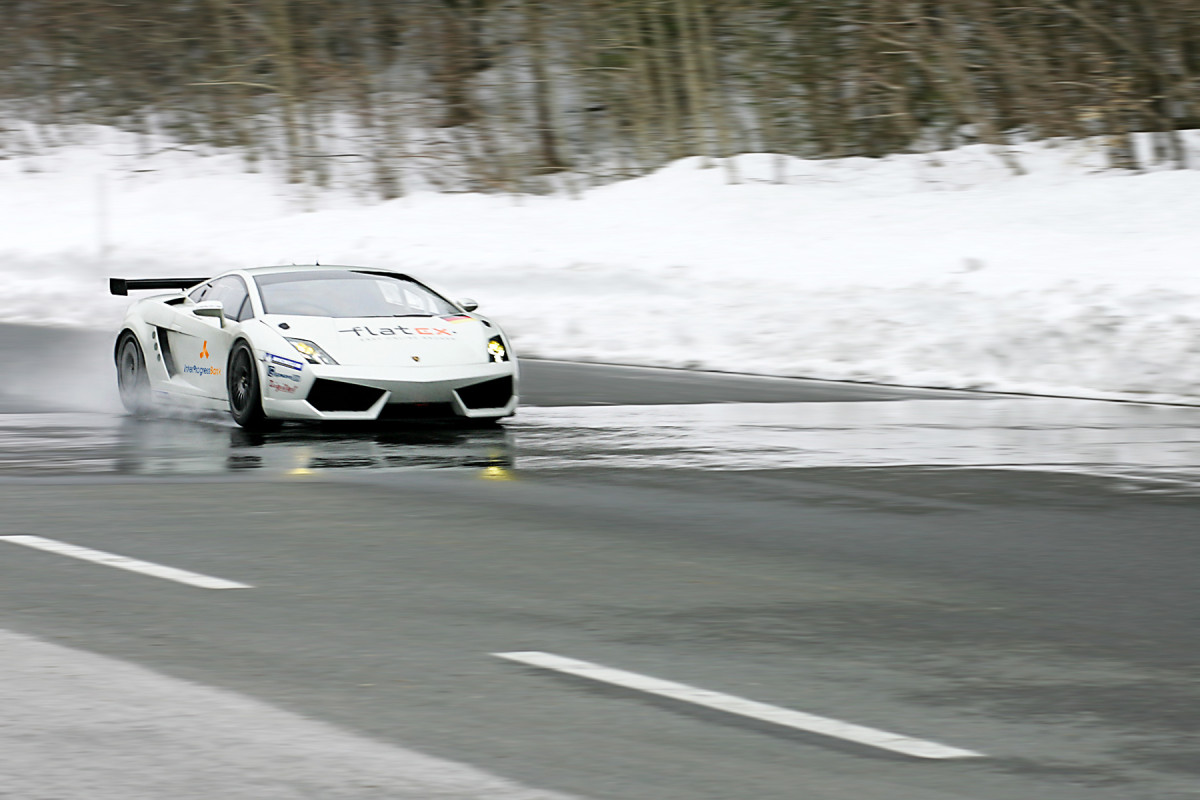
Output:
x=383 y=341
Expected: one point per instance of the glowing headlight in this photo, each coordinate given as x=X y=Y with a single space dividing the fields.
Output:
x=311 y=351
x=497 y=352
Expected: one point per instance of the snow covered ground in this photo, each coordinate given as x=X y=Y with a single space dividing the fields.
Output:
x=937 y=270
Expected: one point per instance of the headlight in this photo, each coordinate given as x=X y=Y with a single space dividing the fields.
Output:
x=311 y=351
x=497 y=352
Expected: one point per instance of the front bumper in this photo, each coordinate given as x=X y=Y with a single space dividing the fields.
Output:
x=346 y=393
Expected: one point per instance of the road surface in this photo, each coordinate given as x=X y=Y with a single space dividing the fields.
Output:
x=830 y=572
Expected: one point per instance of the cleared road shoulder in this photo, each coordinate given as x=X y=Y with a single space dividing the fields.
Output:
x=81 y=725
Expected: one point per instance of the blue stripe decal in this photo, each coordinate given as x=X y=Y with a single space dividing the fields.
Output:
x=284 y=362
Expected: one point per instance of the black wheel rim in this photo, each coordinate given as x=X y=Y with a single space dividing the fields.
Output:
x=239 y=382
x=129 y=371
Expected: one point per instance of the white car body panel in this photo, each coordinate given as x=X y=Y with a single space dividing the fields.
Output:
x=414 y=363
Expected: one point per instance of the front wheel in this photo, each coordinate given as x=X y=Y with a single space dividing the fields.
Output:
x=245 y=393
x=132 y=380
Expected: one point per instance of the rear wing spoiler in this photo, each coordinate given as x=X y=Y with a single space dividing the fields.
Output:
x=122 y=286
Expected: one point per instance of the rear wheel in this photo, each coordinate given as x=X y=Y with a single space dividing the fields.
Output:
x=245 y=392
x=132 y=381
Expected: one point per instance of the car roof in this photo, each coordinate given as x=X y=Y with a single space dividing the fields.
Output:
x=304 y=268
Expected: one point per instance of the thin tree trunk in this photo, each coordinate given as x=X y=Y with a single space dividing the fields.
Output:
x=543 y=88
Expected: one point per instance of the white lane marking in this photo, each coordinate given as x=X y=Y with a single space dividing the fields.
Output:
x=1065 y=469
x=799 y=720
x=122 y=562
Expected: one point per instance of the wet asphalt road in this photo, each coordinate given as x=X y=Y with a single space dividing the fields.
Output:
x=1015 y=577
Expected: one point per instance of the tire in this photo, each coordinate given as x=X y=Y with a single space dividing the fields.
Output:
x=245 y=391
x=132 y=380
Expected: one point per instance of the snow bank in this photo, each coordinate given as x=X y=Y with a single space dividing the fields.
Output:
x=943 y=269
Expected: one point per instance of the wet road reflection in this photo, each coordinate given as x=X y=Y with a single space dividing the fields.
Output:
x=1158 y=442
x=38 y=444
x=1153 y=444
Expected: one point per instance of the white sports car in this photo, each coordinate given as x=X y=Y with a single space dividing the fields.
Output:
x=312 y=343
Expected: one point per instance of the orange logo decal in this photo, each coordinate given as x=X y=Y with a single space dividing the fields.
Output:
x=204 y=350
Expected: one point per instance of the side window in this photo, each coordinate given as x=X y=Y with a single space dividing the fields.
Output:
x=231 y=291
x=198 y=293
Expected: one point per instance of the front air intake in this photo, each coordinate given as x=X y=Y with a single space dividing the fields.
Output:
x=416 y=411
x=327 y=395
x=489 y=394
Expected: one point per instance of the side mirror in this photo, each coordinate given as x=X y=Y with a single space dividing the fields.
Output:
x=210 y=308
x=468 y=304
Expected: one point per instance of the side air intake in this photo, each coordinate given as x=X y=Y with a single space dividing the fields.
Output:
x=489 y=394
x=327 y=395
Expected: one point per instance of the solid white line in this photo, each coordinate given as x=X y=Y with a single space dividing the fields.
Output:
x=121 y=562
x=1066 y=470
x=799 y=720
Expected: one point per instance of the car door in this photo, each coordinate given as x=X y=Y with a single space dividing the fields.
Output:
x=199 y=343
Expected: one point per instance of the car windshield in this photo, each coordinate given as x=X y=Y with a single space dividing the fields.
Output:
x=344 y=293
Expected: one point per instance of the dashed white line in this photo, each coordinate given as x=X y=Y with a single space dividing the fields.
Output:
x=732 y=704
x=122 y=562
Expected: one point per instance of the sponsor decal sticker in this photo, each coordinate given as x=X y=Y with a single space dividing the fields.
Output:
x=275 y=372
x=399 y=332
x=280 y=361
x=195 y=369
x=458 y=318
x=281 y=387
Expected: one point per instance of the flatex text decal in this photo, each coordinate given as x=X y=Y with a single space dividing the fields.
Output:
x=398 y=332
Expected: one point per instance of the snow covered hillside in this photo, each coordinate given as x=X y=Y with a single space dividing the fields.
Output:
x=939 y=270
